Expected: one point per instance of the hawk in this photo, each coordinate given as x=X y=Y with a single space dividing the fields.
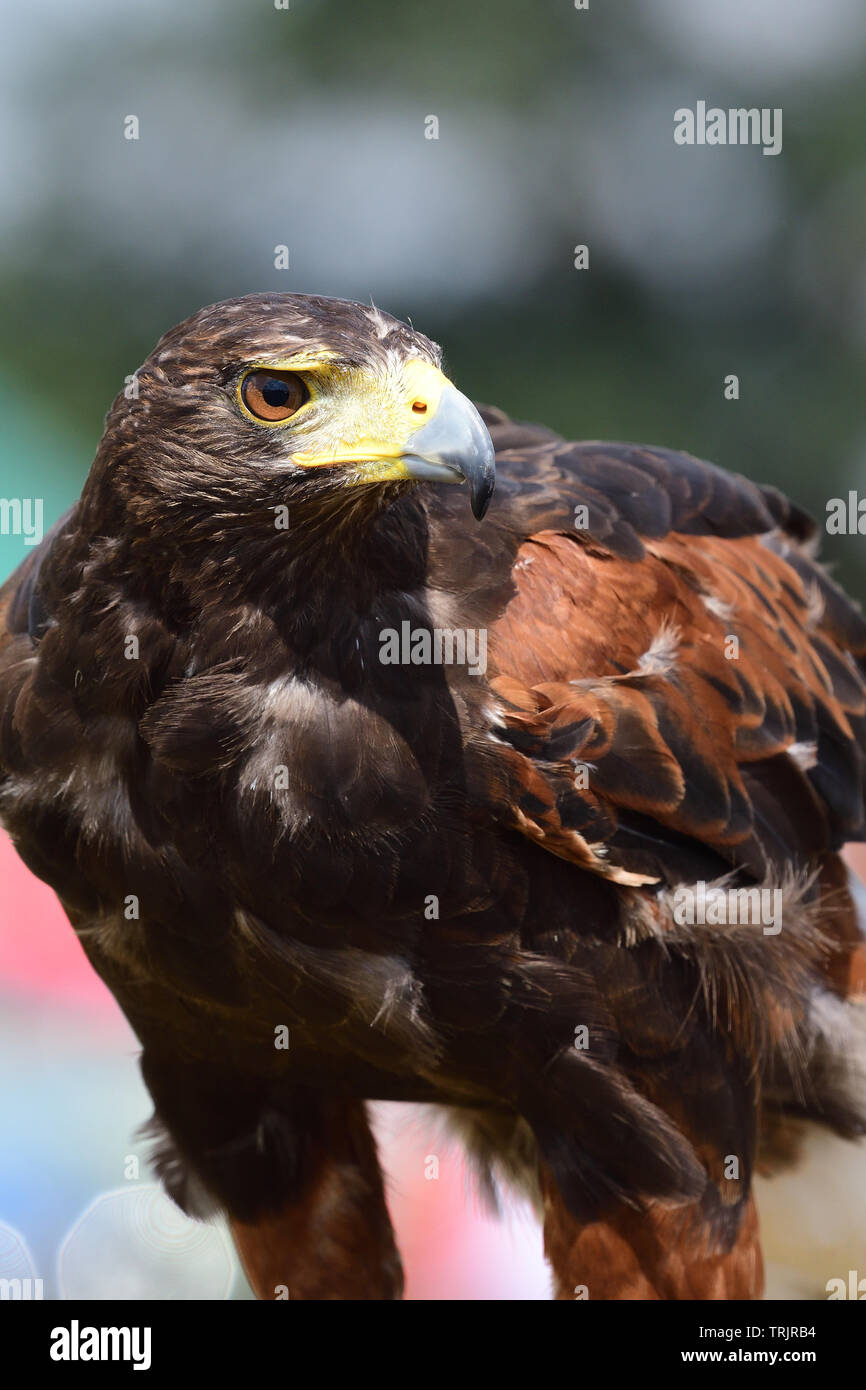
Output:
x=533 y=815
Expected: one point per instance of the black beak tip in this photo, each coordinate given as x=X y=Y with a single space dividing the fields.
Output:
x=480 y=492
x=480 y=503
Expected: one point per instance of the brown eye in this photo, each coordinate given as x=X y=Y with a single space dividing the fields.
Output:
x=273 y=395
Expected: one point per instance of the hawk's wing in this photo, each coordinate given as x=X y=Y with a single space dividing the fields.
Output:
x=681 y=647
x=681 y=698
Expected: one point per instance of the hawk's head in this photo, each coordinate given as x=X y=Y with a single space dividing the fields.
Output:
x=285 y=398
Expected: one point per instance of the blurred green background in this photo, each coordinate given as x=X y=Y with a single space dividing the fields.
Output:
x=305 y=127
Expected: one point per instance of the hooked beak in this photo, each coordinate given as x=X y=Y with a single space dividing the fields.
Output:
x=454 y=447
x=383 y=441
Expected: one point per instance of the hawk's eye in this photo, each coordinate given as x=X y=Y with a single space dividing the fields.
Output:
x=273 y=395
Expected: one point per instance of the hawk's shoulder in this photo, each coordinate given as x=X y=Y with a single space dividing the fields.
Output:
x=683 y=682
